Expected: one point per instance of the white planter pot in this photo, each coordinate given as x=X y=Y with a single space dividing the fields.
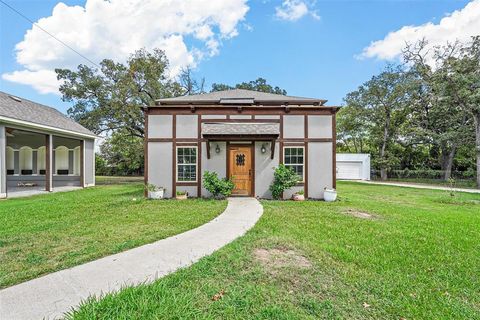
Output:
x=330 y=195
x=155 y=194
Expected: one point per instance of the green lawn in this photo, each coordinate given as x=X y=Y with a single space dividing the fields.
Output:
x=458 y=183
x=107 y=180
x=416 y=257
x=50 y=232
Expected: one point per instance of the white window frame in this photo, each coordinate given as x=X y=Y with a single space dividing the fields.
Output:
x=297 y=164
x=189 y=164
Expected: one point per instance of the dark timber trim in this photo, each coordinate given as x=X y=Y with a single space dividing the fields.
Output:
x=199 y=156
x=174 y=156
x=334 y=151
x=305 y=156
x=145 y=152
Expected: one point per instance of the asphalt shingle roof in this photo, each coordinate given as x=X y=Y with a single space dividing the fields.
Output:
x=243 y=128
x=241 y=95
x=26 y=110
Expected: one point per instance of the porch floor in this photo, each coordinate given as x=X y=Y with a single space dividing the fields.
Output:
x=18 y=192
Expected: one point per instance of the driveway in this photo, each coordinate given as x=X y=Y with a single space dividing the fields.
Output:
x=54 y=294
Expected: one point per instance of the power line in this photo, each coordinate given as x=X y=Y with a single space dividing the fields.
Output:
x=51 y=35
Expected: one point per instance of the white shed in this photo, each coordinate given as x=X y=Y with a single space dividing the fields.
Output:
x=353 y=166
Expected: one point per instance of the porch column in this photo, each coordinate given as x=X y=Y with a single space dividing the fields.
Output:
x=82 y=163
x=48 y=163
x=3 y=163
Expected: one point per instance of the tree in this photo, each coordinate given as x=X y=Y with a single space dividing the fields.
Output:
x=382 y=102
x=123 y=153
x=259 y=84
x=462 y=83
x=436 y=118
x=112 y=98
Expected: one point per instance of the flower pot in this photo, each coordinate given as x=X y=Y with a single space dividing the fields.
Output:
x=298 y=197
x=181 y=197
x=329 y=195
x=155 y=194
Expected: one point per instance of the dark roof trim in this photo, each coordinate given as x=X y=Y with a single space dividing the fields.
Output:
x=240 y=102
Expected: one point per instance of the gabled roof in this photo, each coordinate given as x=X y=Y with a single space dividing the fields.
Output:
x=240 y=96
x=243 y=128
x=24 y=110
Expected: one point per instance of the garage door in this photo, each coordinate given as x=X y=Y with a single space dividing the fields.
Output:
x=349 y=170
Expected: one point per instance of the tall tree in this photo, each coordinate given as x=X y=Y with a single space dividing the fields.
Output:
x=462 y=81
x=432 y=101
x=384 y=103
x=111 y=98
x=259 y=84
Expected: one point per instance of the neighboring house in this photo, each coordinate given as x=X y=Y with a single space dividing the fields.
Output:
x=353 y=166
x=243 y=135
x=41 y=148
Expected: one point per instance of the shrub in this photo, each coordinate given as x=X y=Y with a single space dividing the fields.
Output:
x=283 y=179
x=216 y=186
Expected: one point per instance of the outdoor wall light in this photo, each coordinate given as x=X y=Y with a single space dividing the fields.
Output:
x=263 y=149
x=217 y=149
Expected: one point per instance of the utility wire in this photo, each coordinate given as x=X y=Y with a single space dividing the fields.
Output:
x=51 y=35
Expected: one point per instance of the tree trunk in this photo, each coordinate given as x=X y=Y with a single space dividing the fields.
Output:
x=476 y=119
x=447 y=161
x=383 y=169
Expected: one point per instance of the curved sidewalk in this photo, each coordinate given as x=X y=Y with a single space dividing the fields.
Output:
x=52 y=295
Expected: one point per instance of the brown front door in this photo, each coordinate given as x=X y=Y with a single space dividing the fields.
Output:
x=240 y=169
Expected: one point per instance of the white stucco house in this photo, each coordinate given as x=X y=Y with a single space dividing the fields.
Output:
x=41 y=149
x=242 y=135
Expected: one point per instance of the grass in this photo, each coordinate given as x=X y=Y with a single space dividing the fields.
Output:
x=415 y=257
x=108 y=180
x=458 y=183
x=50 y=232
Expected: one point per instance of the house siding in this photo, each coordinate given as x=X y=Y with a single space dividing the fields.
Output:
x=160 y=165
x=3 y=163
x=89 y=166
x=311 y=128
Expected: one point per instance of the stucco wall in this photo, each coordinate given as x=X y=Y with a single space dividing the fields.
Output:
x=264 y=168
x=160 y=165
x=192 y=190
x=187 y=126
x=3 y=168
x=319 y=126
x=319 y=168
x=89 y=163
x=160 y=126
x=293 y=126
x=217 y=161
x=288 y=193
x=240 y=116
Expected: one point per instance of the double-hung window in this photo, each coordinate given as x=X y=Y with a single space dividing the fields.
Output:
x=293 y=158
x=186 y=164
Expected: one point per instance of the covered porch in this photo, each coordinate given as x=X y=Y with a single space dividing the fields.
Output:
x=38 y=162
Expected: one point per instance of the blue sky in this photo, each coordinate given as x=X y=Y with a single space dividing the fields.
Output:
x=314 y=52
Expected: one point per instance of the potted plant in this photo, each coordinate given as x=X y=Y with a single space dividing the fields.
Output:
x=329 y=194
x=154 y=192
x=298 y=196
x=182 y=195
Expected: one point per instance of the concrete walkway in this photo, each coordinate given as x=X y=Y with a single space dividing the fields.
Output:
x=421 y=186
x=52 y=295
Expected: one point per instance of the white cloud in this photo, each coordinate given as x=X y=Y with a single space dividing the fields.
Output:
x=292 y=10
x=44 y=81
x=461 y=25
x=114 y=29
